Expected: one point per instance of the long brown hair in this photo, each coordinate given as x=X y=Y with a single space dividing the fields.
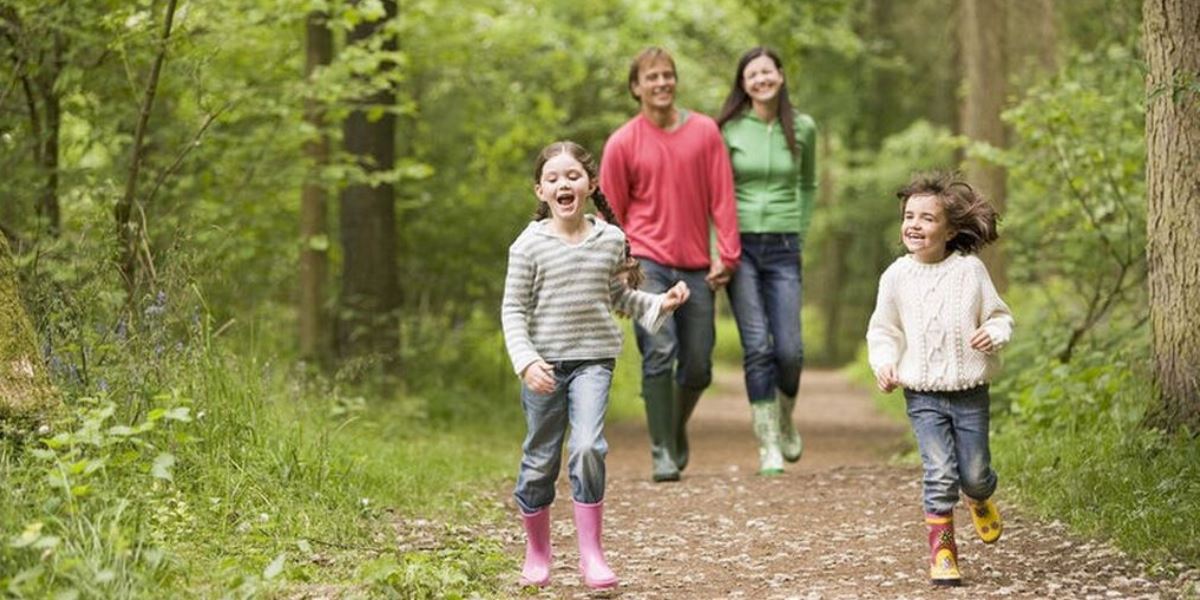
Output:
x=967 y=212
x=738 y=101
x=631 y=271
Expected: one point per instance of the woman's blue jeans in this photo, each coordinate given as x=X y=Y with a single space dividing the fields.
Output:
x=952 y=434
x=765 y=294
x=580 y=398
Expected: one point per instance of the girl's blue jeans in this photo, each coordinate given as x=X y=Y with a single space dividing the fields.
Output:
x=765 y=295
x=952 y=434
x=684 y=344
x=580 y=399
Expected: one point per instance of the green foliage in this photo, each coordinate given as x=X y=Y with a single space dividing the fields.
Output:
x=856 y=235
x=1076 y=219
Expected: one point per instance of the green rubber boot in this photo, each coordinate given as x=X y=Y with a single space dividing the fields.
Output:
x=766 y=428
x=659 y=397
x=685 y=403
x=790 y=442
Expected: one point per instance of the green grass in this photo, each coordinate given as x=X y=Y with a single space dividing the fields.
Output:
x=241 y=479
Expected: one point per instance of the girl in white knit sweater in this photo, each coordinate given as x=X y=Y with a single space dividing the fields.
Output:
x=937 y=326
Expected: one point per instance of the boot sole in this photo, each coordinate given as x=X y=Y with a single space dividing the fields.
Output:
x=946 y=582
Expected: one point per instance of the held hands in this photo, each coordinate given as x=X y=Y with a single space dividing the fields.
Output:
x=982 y=341
x=539 y=377
x=718 y=275
x=675 y=297
x=886 y=379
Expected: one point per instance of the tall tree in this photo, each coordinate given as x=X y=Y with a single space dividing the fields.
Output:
x=1172 y=43
x=315 y=338
x=368 y=324
x=37 y=48
x=131 y=234
x=981 y=37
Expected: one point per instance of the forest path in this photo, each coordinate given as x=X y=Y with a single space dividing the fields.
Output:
x=841 y=523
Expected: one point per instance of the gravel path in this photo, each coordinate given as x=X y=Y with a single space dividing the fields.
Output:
x=841 y=523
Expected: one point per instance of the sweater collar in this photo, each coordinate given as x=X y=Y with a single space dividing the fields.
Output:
x=951 y=259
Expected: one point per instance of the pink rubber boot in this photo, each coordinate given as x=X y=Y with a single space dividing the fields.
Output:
x=537 y=548
x=588 y=521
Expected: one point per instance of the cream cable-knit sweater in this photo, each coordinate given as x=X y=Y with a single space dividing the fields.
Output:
x=925 y=316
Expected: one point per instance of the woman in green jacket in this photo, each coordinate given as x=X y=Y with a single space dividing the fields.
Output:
x=773 y=151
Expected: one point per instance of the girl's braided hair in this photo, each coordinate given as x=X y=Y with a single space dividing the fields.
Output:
x=630 y=272
x=968 y=213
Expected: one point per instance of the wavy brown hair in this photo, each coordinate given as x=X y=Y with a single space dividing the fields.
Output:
x=631 y=271
x=971 y=216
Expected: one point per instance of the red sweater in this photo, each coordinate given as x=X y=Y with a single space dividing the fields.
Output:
x=665 y=187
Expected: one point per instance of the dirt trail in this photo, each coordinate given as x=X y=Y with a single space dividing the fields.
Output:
x=841 y=523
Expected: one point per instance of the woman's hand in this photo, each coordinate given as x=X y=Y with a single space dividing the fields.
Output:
x=676 y=296
x=886 y=379
x=982 y=341
x=539 y=377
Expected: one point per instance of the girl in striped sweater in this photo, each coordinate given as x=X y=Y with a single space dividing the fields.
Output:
x=567 y=273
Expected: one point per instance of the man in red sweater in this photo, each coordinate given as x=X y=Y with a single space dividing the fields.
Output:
x=667 y=175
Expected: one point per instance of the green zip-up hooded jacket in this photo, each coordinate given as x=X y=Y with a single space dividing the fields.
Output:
x=774 y=192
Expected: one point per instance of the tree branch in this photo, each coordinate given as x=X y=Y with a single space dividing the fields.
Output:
x=162 y=177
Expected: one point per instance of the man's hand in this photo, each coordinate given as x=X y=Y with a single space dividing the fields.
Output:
x=886 y=379
x=676 y=296
x=718 y=275
x=539 y=377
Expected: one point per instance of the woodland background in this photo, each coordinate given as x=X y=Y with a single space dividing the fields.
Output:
x=258 y=247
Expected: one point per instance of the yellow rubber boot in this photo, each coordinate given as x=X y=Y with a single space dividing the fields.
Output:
x=986 y=519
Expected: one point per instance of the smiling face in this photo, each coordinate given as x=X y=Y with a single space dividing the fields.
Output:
x=925 y=229
x=565 y=186
x=762 y=80
x=655 y=85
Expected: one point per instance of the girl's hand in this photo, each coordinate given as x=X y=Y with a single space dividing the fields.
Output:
x=539 y=377
x=886 y=379
x=982 y=341
x=676 y=296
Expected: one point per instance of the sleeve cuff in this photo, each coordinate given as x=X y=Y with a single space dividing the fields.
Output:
x=652 y=320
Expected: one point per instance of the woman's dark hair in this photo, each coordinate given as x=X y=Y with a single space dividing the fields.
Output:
x=630 y=271
x=968 y=213
x=738 y=101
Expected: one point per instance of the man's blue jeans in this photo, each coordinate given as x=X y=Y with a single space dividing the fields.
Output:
x=952 y=434
x=684 y=344
x=765 y=294
x=580 y=398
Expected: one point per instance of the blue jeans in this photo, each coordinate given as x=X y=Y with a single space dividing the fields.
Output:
x=952 y=434
x=684 y=344
x=765 y=294
x=580 y=397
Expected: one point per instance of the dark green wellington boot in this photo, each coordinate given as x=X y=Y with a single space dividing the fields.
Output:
x=685 y=404
x=660 y=420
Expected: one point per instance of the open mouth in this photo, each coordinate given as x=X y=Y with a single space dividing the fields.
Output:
x=565 y=200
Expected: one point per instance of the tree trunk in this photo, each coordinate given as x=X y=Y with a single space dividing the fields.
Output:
x=130 y=233
x=368 y=324
x=984 y=69
x=25 y=389
x=1172 y=43
x=48 y=207
x=315 y=330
